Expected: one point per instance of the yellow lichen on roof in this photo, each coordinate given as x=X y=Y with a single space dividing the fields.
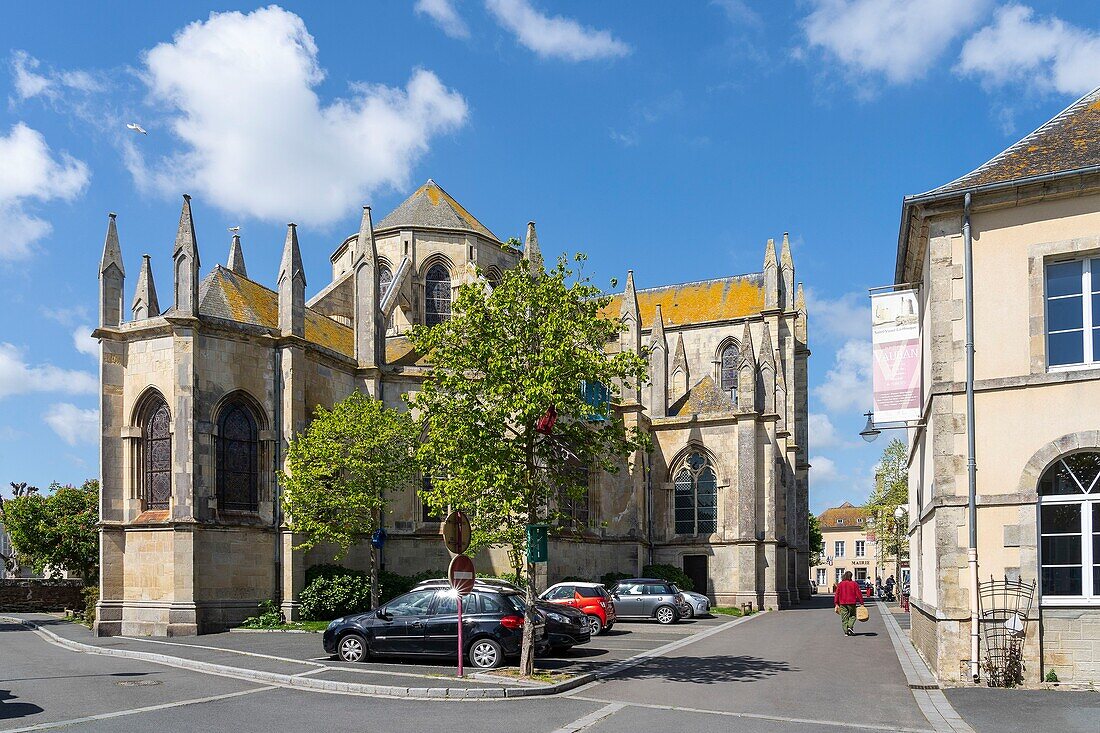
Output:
x=844 y=515
x=400 y=352
x=246 y=301
x=698 y=302
x=703 y=399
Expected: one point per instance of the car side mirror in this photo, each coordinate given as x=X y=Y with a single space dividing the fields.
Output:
x=615 y=596
x=381 y=613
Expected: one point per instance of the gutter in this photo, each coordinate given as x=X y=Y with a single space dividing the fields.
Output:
x=971 y=464
x=909 y=202
x=276 y=492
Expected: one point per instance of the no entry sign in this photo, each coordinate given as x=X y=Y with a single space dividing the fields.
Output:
x=461 y=574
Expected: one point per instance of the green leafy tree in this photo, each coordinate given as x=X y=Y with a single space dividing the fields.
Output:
x=340 y=469
x=501 y=362
x=817 y=542
x=55 y=532
x=891 y=491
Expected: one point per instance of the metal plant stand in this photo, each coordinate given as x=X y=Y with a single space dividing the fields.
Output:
x=1003 y=610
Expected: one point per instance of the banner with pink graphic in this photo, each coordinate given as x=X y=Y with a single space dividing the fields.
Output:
x=896 y=351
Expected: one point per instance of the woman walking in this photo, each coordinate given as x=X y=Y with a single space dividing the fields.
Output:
x=848 y=595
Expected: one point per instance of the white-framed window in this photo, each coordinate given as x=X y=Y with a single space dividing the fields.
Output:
x=839 y=575
x=861 y=574
x=840 y=522
x=1073 y=312
x=1069 y=531
x=822 y=576
x=861 y=548
x=838 y=548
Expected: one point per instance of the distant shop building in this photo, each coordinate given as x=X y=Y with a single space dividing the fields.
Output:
x=850 y=544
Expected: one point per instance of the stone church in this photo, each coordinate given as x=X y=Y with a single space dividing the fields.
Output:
x=199 y=400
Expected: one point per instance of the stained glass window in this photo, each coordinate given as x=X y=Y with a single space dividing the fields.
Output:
x=237 y=463
x=158 y=457
x=385 y=279
x=437 y=295
x=696 y=497
x=730 y=361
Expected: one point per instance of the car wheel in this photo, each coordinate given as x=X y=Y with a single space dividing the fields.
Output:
x=595 y=626
x=687 y=611
x=352 y=648
x=486 y=654
x=666 y=615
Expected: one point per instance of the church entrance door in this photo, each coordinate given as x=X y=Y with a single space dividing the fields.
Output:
x=695 y=567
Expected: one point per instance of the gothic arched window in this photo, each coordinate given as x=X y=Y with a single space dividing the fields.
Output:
x=238 y=475
x=385 y=279
x=730 y=360
x=157 y=451
x=696 y=487
x=437 y=295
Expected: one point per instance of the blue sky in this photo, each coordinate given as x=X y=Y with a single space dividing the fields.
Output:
x=674 y=142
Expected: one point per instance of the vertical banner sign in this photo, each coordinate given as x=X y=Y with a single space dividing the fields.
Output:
x=896 y=349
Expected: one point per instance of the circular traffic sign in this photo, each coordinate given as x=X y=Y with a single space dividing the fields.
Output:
x=456 y=532
x=461 y=574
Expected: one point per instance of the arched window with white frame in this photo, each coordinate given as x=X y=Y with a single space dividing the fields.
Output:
x=1069 y=529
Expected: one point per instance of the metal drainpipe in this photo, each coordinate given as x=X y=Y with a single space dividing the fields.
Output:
x=971 y=464
x=276 y=511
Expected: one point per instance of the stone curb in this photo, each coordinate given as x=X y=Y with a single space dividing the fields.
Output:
x=308 y=683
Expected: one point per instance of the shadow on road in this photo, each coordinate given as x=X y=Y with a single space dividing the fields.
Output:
x=11 y=710
x=706 y=670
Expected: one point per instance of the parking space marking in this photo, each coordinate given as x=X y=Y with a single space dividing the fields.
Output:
x=591 y=719
x=222 y=649
x=754 y=716
x=137 y=711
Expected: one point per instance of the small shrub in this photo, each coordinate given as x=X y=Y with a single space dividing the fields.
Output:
x=392 y=585
x=269 y=616
x=671 y=573
x=327 y=598
x=91 y=597
x=329 y=571
x=574 y=579
x=610 y=579
x=1052 y=676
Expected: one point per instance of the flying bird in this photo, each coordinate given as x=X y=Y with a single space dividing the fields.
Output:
x=136 y=128
x=234 y=229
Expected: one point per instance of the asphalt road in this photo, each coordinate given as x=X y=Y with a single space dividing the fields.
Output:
x=783 y=672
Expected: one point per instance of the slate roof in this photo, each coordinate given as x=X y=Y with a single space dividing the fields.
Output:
x=846 y=512
x=1068 y=142
x=225 y=294
x=702 y=399
x=430 y=207
x=699 y=302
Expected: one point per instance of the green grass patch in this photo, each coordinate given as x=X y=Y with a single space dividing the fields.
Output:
x=315 y=626
x=728 y=610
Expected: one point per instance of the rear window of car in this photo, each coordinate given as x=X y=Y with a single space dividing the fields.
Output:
x=515 y=600
x=591 y=592
x=657 y=589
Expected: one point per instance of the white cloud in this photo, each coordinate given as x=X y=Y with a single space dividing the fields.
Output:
x=30 y=83
x=554 y=37
x=845 y=318
x=847 y=384
x=823 y=433
x=897 y=39
x=239 y=90
x=29 y=173
x=72 y=424
x=66 y=315
x=823 y=470
x=445 y=16
x=738 y=12
x=84 y=343
x=1047 y=54
x=19 y=377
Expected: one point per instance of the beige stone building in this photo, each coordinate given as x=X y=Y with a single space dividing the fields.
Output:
x=849 y=544
x=1034 y=223
x=200 y=399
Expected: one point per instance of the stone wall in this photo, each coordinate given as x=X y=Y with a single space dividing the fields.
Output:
x=1071 y=643
x=35 y=594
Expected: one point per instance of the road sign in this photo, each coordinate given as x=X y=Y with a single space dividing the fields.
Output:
x=456 y=532
x=461 y=574
x=537 y=544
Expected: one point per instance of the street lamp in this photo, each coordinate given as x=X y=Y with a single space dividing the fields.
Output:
x=870 y=432
x=899 y=515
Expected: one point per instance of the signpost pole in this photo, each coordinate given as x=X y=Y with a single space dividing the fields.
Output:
x=460 y=636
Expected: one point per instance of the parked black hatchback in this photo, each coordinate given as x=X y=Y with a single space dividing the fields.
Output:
x=424 y=622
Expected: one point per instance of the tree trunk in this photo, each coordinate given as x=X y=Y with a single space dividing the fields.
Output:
x=527 y=656
x=374 y=594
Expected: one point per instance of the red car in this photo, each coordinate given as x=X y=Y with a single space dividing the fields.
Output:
x=592 y=598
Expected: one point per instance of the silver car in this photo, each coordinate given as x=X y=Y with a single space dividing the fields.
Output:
x=695 y=604
x=644 y=598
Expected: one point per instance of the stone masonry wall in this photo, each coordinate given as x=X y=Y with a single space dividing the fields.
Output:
x=1071 y=643
x=34 y=594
